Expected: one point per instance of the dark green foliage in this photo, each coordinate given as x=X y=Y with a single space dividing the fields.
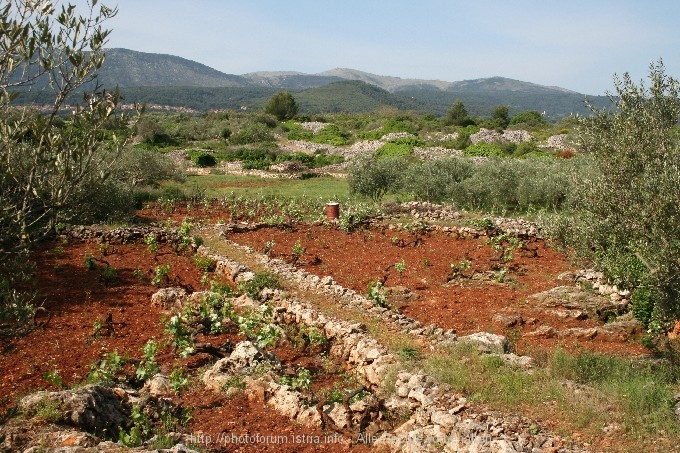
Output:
x=525 y=148
x=529 y=119
x=282 y=105
x=458 y=115
x=261 y=158
x=258 y=158
x=202 y=159
x=499 y=185
x=434 y=180
x=151 y=133
x=643 y=300
x=500 y=118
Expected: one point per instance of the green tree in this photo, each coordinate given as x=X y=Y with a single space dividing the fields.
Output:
x=374 y=177
x=458 y=115
x=625 y=214
x=51 y=162
x=282 y=105
x=48 y=159
x=500 y=117
x=530 y=118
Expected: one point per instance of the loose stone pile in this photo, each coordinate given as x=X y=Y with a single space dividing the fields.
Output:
x=436 y=152
x=314 y=126
x=558 y=142
x=122 y=235
x=491 y=136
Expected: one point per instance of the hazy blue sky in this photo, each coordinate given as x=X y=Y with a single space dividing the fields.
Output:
x=574 y=44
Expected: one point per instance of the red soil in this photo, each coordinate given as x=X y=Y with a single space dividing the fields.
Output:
x=77 y=298
x=466 y=305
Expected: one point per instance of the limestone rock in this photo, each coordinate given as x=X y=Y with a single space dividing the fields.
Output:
x=93 y=408
x=487 y=342
x=242 y=361
x=169 y=297
x=158 y=385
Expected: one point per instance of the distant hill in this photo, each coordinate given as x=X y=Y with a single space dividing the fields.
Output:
x=351 y=96
x=128 y=68
x=292 y=81
x=174 y=81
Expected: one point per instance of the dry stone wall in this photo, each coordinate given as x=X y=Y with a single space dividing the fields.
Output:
x=439 y=418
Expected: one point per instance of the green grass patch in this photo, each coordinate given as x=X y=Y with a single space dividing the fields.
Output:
x=219 y=186
x=585 y=391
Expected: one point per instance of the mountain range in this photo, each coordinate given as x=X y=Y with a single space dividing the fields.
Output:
x=174 y=81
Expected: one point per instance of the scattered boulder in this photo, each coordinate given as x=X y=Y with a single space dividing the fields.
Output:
x=168 y=298
x=93 y=408
x=158 y=386
x=400 y=295
x=621 y=330
x=487 y=342
x=575 y=302
x=508 y=320
x=543 y=332
x=241 y=362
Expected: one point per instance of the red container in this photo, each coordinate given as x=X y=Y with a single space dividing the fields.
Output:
x=333 y=210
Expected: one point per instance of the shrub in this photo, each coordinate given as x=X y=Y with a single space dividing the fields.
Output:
x=525 y=148
x=205 y=263
x=458 y=115
x=642 y=301
x=252 y=133
x=391 y=149
x=483 y=149
x=260 y=281
x=432 y=180
x=529 y=118
x=332 y=135
x=373 y=177
x=202 y=159
x=629 y=204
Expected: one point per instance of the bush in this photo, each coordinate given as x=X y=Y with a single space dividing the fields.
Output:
x=630 y=203
x=202 y=159
x=529 y=119
x=260 y=281
x=642 y=301
x=252 y=133
x=140 y=167
x=373 y=177
x=332 y=135
x=391 y=149
x=433 y=180
x=483 y=149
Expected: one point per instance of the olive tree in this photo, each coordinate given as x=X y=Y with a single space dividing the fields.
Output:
x=374 y=177
x=282 y=105
x=52 y=158
x=626 y=212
